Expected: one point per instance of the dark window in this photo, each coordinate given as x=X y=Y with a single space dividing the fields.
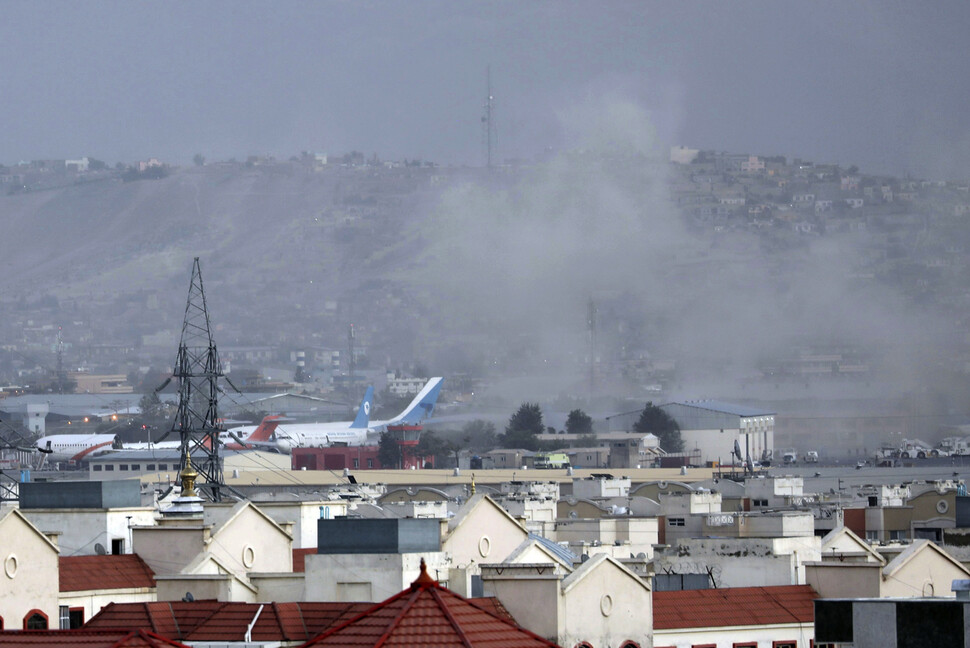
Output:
x=149 y=466
x=122 y=466
x=117 y=546
x=370 y=463
x=97 y=467
x=678 y=522
x=64 y=613
x=356 y=463
x=163 y=466
x=136 y=466
x=108 y=468
x=76 y=618
x=35 y=620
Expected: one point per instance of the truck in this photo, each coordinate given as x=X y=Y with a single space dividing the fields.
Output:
x=789 y=457
x=811 y=456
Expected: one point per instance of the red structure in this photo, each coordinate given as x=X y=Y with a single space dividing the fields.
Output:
x=336 y=458
x=363 y=457
x=407 y=437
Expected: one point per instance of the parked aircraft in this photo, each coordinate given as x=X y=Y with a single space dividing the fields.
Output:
x=361 y=430
x=299 y=435
x=75 y=447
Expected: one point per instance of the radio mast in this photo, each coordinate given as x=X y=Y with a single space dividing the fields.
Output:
x=488 y=129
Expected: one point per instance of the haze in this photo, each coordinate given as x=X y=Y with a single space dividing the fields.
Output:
x=878 y=84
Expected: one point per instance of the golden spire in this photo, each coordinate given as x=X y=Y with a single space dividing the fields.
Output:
x=473 y=483
x=188 y=478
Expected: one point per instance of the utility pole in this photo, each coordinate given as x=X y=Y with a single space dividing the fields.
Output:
x=352 y=364
x=197 y=370
x=488 y=129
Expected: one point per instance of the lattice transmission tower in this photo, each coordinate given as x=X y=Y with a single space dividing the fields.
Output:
x=197 y=370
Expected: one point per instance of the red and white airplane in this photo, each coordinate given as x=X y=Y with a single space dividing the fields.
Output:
x=78 y=447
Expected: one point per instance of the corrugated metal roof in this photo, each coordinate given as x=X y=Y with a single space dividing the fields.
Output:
x=727 y=408
x=560 y=551
x=735 y=606
x=125 y=571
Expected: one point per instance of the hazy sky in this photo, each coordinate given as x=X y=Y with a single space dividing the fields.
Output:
x=880 y=84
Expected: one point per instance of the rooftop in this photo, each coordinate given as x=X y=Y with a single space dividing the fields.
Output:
x=736 y=606
x=125 y=571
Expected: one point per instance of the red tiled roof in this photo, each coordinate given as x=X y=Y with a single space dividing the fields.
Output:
x=202 y=621
x=123 y=571
x=169 y=618
x=735 y=606
x=84 y=638
x=299 y=558
x=426 y=615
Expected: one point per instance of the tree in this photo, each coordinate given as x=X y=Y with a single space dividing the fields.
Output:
x=431 y=445
x=198 y=159
x=524 y=428
x=388 y=451
x=654 y=420
x=480 y=434
x=579 y=422
x=151 y=406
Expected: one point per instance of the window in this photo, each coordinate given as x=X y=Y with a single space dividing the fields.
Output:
x=370 y=463
x=872 y=536
x=678 y=522
x=70 y=618
x=117 y=546
x=897 y=535
x=136 y=466
x=704 y=646
x=97 y=467
x=784 y=644
x=35 y=620
x=629 y=644
x=163 y=466
x=109 y=468
x=149 y=466
x=750 y=644
x=356 y=463
x=122 y=466
x=759 y=502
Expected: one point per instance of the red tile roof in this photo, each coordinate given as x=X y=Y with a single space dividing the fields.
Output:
x=124 y=571
x=86 y=639
x=208 y=620
x=735 y=606
x=299 y=558
x=428 y=615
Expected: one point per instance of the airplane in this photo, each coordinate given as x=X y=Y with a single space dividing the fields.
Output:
x=320 y=434
x=418 y=410
x=361 y=431
x=75 y=447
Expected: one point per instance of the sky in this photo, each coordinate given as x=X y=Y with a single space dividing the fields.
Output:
x=879 y=84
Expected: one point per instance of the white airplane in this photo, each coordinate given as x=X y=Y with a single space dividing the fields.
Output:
x=361 y=430
x=75 y=447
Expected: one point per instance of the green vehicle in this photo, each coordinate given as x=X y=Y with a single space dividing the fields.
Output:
x=553 y=460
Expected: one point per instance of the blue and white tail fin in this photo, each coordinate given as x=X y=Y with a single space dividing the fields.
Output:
x=362 y=419
x=423 y=404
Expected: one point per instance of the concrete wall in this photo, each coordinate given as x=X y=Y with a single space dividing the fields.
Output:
x=92 y=601
x=82 y=529
x=251 y=543
x=373 y=536
x=763 y=636
x=28 y=573
x=605 y=608
x=844 y=580
x=371 y=576
x=303 y=516
x=80 y=494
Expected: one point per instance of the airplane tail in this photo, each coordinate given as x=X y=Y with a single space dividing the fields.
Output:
x=423 y=404
x=266 y=428
x=362 y=419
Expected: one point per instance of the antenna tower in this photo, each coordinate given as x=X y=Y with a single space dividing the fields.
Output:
x=197 y=370
x=591 y=340
x=488 y=130
x=352 y=364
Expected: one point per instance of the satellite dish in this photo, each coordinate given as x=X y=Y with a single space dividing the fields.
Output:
x=100 y=550
x=737 y=449
x=188 y=598
x=584 y=558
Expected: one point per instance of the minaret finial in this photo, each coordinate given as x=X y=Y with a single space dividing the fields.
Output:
x=473 y=483
x=188 y=478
